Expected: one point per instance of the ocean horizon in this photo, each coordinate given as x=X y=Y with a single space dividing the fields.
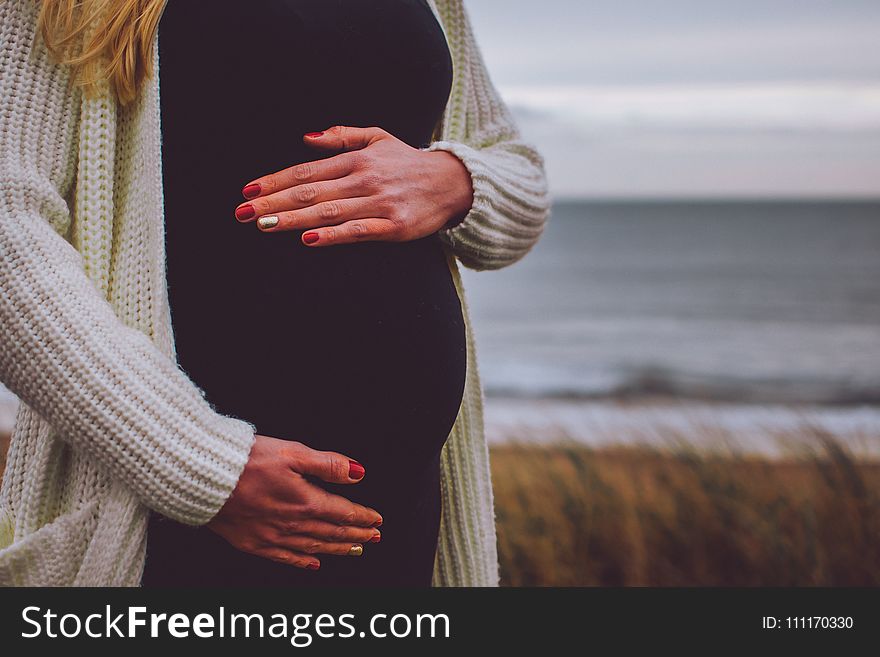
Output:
x=722 y=300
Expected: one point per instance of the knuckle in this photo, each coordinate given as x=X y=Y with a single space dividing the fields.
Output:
x=282 y=557
x=349 y=517
x=293 y=450
x=358 y=160
x=308 y=508
x=336 y=468
x=267 y=185
x=305 y=193
x=359 y=230
x=293 y=459
x=398 y=223
x=267 y=537
x=261 y=206
x=373 y=181
x=393 y=197
x=312 y=547
x=329 y=210
x=342 y=134
x=385 y=203
x=340 y=532
x=291 y=527
x=303 y=172
x=330 y=234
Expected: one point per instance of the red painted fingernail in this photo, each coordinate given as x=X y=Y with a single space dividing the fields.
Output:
x=314 y=134
x=245 y=212
x=310 y=238
x=378 y=523
x=251 y=191
x=356 y=470
x=313 y=566
x=376 y=538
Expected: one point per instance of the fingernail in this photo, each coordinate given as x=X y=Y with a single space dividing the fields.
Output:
x=376 y=538
x=251 y=191
x=310 y=238
x=378 y=523
x=314 y=134
x=313 y=566
x=356 y=551
x=245 y=212
x=267 y=222
x=356 y=470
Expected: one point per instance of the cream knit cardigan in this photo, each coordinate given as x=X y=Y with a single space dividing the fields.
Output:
x=109 y=426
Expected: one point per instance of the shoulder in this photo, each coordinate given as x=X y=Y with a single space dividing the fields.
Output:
x=22 y=54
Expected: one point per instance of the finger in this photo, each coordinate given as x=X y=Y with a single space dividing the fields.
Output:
x=358 y=230
x=311 y=545
x=299 y=197
x=345 y=138
x=328 y=531
x=289 y=557
x=328 y=213
x=330 y=168
x=338 y=510
x=306 y=195
x=331 y=467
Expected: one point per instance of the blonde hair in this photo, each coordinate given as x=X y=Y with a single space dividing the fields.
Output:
x=103 y=40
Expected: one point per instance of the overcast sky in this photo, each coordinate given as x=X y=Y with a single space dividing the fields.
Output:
x=693 y=97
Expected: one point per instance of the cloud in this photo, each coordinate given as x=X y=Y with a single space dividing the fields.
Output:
x=800 y=107
x=744 y=140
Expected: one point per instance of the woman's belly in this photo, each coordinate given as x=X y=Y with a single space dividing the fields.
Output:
x=358 y=349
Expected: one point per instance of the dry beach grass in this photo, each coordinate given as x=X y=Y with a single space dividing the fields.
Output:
x=574 y=516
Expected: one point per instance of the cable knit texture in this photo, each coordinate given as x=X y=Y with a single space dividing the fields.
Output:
x=110 y=426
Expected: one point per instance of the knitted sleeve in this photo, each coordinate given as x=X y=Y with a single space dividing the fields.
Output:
x=511 y=203
x=105 y=387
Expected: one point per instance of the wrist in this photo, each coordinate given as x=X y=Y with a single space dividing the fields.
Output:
x=458 y=186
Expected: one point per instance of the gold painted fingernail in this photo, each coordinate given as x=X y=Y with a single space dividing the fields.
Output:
x=267 y=222
x=356 y=551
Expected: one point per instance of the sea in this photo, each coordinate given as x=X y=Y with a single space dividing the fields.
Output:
x=742 y=322
x=639 y=320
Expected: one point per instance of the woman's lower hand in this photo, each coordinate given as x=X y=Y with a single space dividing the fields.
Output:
x=377 y=189
x=276 y=513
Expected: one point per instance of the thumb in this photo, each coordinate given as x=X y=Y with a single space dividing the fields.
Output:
x=327 y=466
x=344 y=138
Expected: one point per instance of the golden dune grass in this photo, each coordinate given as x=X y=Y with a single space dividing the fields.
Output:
x=573 y=516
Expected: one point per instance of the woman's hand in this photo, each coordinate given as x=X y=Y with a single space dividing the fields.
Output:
x=378 y=188
x=276 y=513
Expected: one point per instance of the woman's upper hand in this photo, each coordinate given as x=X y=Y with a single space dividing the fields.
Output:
x=276 y=513
x=377 y=188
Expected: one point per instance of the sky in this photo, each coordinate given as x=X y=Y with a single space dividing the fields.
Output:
x=692 y=98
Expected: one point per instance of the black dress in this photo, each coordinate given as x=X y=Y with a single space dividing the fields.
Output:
x=359 y=348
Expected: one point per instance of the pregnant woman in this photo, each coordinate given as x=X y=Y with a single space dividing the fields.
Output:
x=356 y=348
x=315 y=420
